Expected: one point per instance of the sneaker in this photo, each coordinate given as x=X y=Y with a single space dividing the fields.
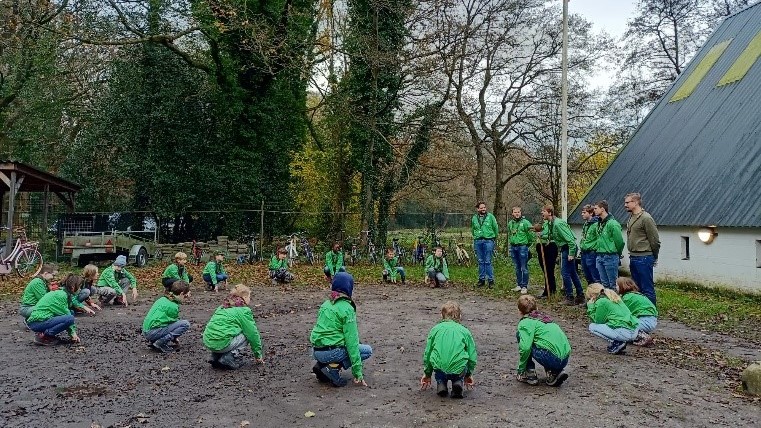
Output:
x=568 y=301
x=643 y=339
x=385 y=278
x=229 y=362
x=480 y=283
x=317 y=370
x=517 y=289
x=554 y=379
x=442 y=390
x=524 y=290
x=491 y=283
x=333 y=374
x=617 y=347
x=45 y=340
x=118 y=301
x=214 y=360
x=162 y=347
x=457 y=388
x=528 y=377
x=580 y=300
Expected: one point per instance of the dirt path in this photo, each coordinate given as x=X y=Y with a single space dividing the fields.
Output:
x=113 y=377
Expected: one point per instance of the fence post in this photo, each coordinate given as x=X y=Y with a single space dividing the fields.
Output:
x=261 y=224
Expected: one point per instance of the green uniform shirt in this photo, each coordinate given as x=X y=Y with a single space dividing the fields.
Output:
x=213 y=269
x=53 y=304
x=639 y=305
x=589 y=235
x=391 y=265
x=111 y=278
x=163 y=312
x=521 y=232
x=337 y=326
x=484 y=227
x=562 y=234
x=439 y=264
x=334 y=261
x=450 y=348
x=226 y=323
x=549 y=336
x=173 y=271
x=34 y=291
x=276 y=263
x=615 y=315
x=610 y=240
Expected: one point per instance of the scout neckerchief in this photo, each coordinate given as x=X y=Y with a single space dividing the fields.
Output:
x=517 y=222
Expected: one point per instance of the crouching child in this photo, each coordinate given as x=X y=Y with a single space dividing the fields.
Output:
x=114 y=283
x=162 y=326
x=230 y=328
x=641 y=307
x=611 y=319
x=391 y=267
x=214 y=273
x=278 y=268
x=436 y=268
x=176 y=271
x=450 y=354
x=542 y=341
x=54 y=313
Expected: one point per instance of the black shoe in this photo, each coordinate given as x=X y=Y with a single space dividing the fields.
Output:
x=481 y=283
x=333 y=375
x=556 y=380
x=162 y=347
x=228 y=361
x=491 y=283
x=457 y=388
x=580 y=300
x=568 y=301
x=529 y=377
x=317 y=370
x=617 y=347
x=385 y=279
x=441 y=389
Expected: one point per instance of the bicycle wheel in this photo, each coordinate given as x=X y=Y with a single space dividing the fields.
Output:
x=28 y=263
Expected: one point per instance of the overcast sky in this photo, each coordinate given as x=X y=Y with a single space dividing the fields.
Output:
x=608 y=15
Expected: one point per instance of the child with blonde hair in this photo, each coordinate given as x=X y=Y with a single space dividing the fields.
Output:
x=450 y=354
x=641 y=307
x=162 y=326
x=232 y=326
x=176 y=271
x=53 y=313
x=540 y=339
x=89 y=291
x=214 y=272
x=611 y=318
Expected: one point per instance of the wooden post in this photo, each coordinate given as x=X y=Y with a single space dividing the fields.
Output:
x=45 y=208
x=261 y=225
x=11 y=209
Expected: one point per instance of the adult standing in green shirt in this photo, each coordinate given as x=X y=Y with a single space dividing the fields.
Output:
x=485 y=230
x=520 y=237
x=609 y=245
x=561 y=233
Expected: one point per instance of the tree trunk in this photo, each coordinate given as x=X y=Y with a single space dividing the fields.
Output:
x=478 y=178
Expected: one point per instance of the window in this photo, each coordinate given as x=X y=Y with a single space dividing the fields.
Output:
x=685 y=247
x=758 y=253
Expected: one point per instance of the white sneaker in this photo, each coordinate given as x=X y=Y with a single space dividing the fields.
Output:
x=524 y=290
x=517 y=289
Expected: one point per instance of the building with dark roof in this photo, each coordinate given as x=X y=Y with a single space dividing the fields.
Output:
x=696 y=161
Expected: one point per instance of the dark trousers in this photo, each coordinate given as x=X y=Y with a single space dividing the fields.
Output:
x=442 y=377
x=547 y=263
x=167 y=282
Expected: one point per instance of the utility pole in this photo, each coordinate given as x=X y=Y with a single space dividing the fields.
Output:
x=564 y=116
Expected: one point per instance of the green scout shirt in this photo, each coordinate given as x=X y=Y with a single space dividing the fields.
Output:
x=163 y=312
x=484 y=227
x=337 y=326
x=589 y=235
x=562 y=234
x=438 y=264
x=276 y=263
x=53 y=304
x=213 y=269
x=391 y=265
x=173 y=271
x=334 y=261
x=111 y=278
x=450 y=348
x=547 y=336
x=34 y=291
x=226 y=323
x=615 y=315
x=639 y=305
x=609 y=237
x=521 y=232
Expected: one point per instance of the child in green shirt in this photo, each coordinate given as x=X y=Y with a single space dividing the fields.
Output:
x=334 y=262
x=540 y=339
x=436 y=268
x=611 y=319
x=53 y=313
x=37 y=287
x=641 y=307
x=214 y=273
x=450 y=354
x=278 y=268
x=391 y=268
x=176 y=271
x=230 y=328
x=115 y=281
x=162 y=326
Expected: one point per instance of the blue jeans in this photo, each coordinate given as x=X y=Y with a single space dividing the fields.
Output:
x=167 y=333
x=546 y=359
x=52 y=326
x=326 y=271
x=569 y=274
x=438 y=278
x=399 y=270
x=589 y=266
x=647 y=324
x=442 y=377
x=641 y=268
x=519 y=254
x=484 y=249
x=620 y=334
x=339 y=355
x=220 y=277
x=607 y=267
x=83 y=295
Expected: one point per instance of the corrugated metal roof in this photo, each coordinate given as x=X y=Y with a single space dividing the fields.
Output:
x=697 y=161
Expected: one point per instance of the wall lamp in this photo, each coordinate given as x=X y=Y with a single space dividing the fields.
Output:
x=707 y=234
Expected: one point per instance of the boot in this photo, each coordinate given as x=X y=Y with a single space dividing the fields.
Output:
x=441 y=389
x=457 y=388
x=228 y=361
x=481 y=283
x=317 y=370
x=162 y=346
x=580 y=300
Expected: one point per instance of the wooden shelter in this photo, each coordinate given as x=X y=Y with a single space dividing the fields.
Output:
x=16 y=177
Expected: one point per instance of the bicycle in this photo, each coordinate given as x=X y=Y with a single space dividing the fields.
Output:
x=308 y=253
x=463 y=259
x=398 y=249
x=354 y=252
x=196 y=253
x=252 y=252
x=290 y=249
x=418 y=251
x=372 y=256
x=25 y=258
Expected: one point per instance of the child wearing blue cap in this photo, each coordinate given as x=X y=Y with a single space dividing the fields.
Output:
x=114 y=283
x=335 y=337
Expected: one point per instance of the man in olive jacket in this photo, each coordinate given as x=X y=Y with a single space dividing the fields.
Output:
x=643 y=244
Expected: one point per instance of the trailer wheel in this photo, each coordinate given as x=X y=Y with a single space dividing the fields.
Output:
x=141 y=258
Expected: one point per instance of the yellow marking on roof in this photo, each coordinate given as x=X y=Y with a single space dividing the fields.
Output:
x=743 y=63
x=697 y=75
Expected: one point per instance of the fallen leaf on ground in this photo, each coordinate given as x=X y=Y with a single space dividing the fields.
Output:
x=309 y=414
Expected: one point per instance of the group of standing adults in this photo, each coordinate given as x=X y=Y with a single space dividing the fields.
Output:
x=599 y=251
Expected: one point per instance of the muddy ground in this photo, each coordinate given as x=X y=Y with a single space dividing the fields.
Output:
x=114 y=379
